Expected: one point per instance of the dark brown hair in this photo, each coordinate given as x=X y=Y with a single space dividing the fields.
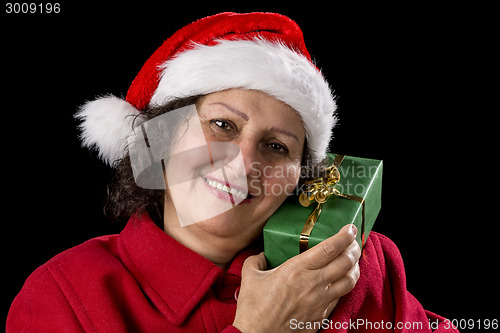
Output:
x=125 y=197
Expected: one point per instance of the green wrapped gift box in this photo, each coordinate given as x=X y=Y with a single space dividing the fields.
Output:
x=360 y=180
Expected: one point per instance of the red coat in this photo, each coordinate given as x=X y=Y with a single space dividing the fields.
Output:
x=144 y=281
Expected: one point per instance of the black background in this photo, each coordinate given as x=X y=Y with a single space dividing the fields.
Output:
x=410 y=87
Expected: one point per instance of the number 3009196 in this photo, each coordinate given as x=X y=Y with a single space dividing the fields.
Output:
x=32 y=8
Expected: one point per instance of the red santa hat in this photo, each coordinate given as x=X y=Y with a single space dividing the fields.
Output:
x=259 y=51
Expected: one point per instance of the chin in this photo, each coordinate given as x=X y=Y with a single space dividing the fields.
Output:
x=230 y=225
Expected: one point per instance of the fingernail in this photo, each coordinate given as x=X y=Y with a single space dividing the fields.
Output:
x=354 y=230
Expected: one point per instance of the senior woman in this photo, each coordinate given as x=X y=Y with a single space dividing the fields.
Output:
x=209 y=142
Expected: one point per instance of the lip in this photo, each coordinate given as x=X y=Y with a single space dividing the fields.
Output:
x=236 y=187
x=223 y=195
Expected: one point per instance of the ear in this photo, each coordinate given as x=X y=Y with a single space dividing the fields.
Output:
x=105 y=126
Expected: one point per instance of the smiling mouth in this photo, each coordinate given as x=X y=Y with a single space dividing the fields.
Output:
x=224 y=188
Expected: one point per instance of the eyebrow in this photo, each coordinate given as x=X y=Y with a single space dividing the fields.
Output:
x=245 y=116
x=235 y=111
x=278 y=130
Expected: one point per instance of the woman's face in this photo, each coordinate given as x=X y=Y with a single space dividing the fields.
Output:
x=236 y=162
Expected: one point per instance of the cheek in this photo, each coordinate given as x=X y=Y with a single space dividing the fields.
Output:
x=189 y=154
x=188 y=137
x=280 y=181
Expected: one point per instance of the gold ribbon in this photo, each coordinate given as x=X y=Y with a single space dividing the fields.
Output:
x=320 y=190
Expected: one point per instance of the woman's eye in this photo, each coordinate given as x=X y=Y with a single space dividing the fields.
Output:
x=222 y=129
x=277 y=147
x=223 y=124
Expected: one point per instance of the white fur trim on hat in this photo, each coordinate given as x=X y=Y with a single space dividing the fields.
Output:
x=258 y=64
x=106 y=125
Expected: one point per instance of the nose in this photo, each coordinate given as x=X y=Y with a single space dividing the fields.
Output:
x=251 y=158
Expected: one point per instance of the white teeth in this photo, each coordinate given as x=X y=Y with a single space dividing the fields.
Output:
x=219 y=186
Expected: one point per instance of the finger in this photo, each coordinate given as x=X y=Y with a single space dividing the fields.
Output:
x=345 y=284
x=342 y=264
x=323 y=253
x=255 y=262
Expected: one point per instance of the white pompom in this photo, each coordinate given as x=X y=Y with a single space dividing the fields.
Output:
x=106 y=124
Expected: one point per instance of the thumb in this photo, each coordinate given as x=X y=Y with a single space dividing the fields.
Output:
x=255 y=262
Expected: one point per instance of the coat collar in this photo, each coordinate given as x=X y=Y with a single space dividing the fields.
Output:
x=171 y=275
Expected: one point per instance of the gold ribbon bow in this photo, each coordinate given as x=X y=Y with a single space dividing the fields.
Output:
x=320 y=189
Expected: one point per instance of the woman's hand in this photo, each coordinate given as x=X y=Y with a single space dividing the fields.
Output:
x=305 y=288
